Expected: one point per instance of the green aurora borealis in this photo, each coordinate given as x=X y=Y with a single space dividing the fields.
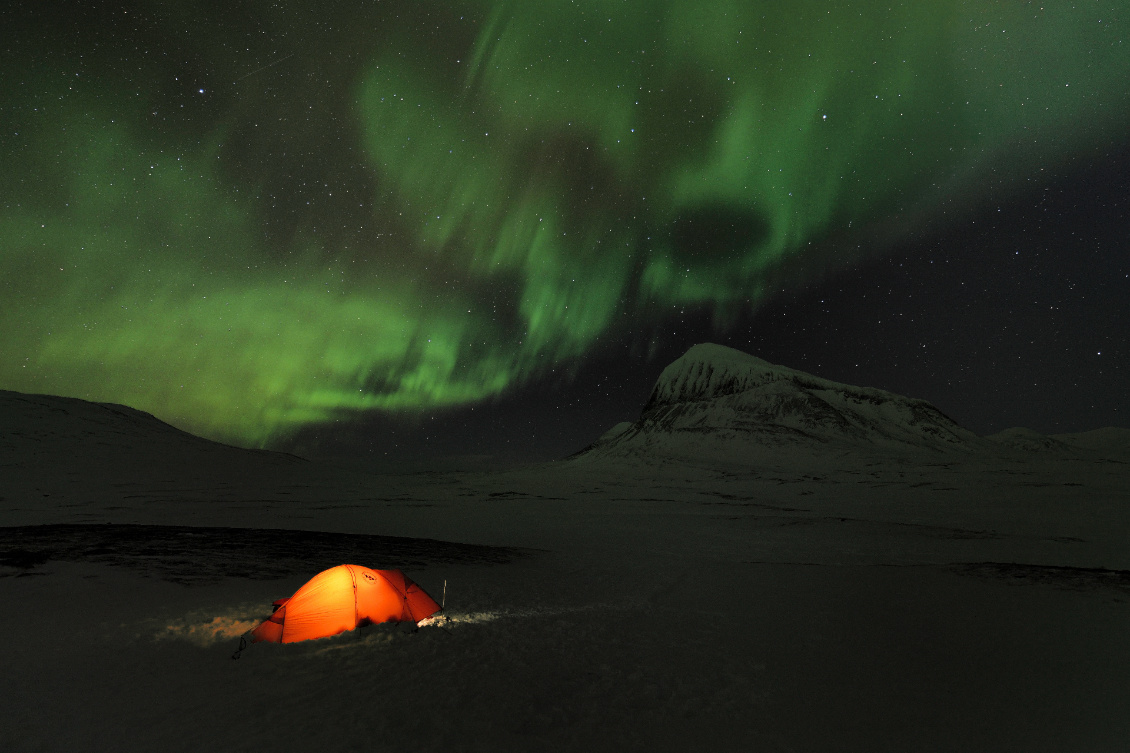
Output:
x=249 y=222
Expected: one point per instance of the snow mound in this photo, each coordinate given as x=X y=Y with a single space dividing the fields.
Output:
x=615 y=431
x=1027 y=440
x=1110 y=441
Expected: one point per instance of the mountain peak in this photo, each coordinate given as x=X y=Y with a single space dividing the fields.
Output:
x=708 y=371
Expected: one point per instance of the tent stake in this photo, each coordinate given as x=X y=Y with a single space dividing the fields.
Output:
x=242 y=645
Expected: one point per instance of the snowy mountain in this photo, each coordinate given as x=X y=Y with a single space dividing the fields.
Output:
x=717 y=399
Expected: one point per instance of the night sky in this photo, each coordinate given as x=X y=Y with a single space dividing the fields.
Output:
x=461 y=232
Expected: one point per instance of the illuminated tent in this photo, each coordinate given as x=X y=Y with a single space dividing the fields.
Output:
x=343 y=598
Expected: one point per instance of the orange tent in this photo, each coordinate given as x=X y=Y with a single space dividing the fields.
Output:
x=343 y=598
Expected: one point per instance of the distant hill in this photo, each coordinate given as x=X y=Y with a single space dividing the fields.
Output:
x=45 y=439
x=47 y=423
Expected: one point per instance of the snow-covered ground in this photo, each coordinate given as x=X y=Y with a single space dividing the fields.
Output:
x=825 y=598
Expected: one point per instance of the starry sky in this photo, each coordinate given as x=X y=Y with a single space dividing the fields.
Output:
x=477 y=230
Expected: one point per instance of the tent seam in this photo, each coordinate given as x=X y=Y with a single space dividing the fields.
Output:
x=353 y=578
